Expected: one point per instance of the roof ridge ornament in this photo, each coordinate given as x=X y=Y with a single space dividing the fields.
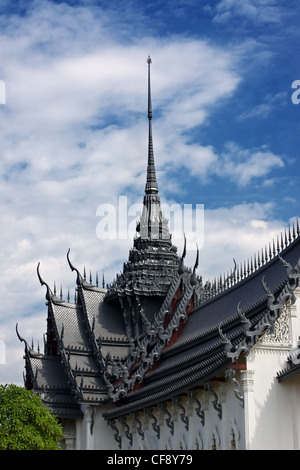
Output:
x=28 y=350
x=79 y=279
x=193 y=279
x=151 y=184
x=49 y=293
x=181 y=263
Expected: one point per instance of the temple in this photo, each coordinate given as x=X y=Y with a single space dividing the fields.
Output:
x=161 y=360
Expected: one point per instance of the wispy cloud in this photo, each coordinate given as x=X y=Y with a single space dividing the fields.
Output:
x=259 y=11
x=270 y=103
x=244 y=166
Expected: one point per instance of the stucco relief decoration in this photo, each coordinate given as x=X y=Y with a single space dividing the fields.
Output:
x=281 y=333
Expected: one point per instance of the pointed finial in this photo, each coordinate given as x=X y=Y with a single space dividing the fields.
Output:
x=151 y=184
x=181 y=263
x=149 y=61
x=193 y=279
x=27 y=347
x=79 y=280
x=49 y=293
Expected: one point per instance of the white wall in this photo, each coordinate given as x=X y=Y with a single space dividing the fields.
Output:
x=269 y=419
x=272 y=413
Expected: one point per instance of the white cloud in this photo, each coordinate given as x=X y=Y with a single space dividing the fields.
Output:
x=236 y=232
x=244 y=165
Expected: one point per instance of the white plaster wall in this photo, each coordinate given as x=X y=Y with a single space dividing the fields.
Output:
x=271 y=409
x=102 y=435
x=269 y=419
x=198 y=436
x=272 y=413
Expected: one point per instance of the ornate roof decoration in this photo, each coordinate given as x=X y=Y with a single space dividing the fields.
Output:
x=147 y=350
x=152 y=262
x=248 y=267
x=158 y=330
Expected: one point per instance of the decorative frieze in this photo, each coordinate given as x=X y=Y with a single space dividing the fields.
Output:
x=281 y=331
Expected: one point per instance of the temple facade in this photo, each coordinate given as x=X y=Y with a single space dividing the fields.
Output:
x=160 y=360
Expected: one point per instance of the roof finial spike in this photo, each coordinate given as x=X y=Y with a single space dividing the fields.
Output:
x=149 y=61
x=193 y=278
x=49 y=293
x=281 y=242
x=289 y=236
x=294 y=231
x=151 y=184
x=238 y=274
x=285 y=238
x=79 y=277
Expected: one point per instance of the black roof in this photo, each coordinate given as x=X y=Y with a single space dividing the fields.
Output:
x=217 y=332
x=157 y=330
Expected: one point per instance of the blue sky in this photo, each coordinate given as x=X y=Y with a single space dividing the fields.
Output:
x=73 y=133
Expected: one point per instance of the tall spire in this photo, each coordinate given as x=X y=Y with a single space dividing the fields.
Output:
x=151 y=184
x=152 y=225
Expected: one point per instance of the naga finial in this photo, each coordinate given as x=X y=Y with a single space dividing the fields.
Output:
x=49 y=293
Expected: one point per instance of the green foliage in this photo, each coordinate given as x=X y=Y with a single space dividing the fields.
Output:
x=25 y=424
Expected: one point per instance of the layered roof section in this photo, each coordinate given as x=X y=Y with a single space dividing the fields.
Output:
x=157 y=330
x=220 y=332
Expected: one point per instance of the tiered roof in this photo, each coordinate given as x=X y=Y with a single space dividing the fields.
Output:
x=157 y=330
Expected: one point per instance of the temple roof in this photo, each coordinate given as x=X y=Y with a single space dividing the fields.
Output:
x=157 y=330
x=188 y=342
x=219 y=332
